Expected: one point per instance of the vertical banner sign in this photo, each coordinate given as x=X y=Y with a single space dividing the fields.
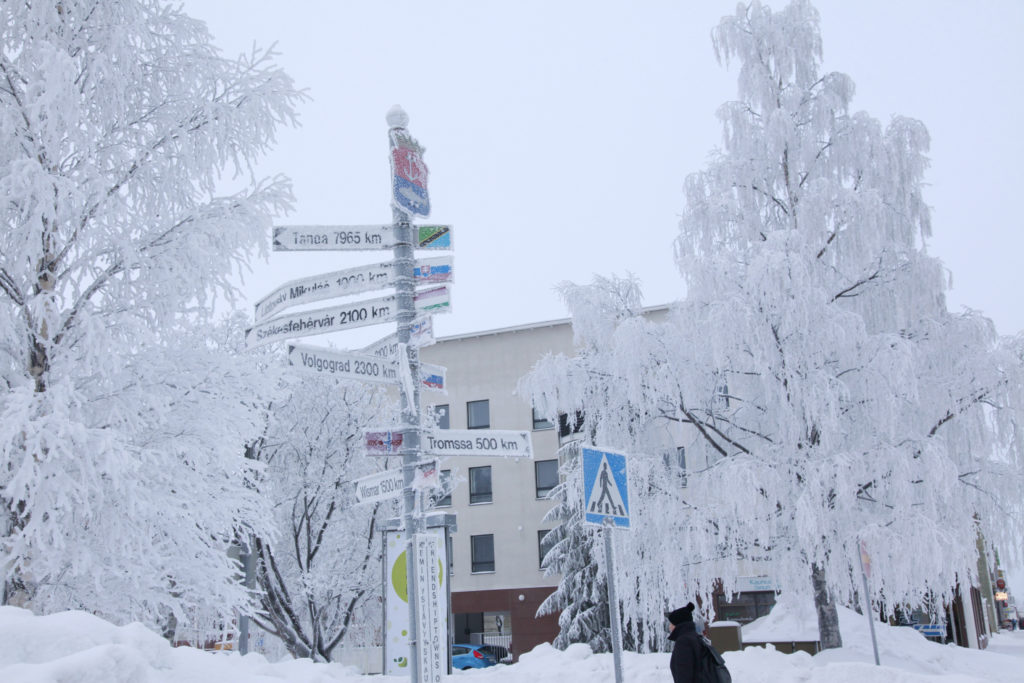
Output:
x=409 y=174
x=396 y=605
x=433 y=649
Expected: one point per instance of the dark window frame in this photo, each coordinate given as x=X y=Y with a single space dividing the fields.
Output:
x=444 y=501
x=469 y=414
x=480 y=565
x=565 y=429
x=540 y=423
x=541 y=550
x=542 y=493
x=489 y=493
x=445 y=423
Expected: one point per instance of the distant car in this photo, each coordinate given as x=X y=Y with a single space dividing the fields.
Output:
x=472 y=656
x=500 y=652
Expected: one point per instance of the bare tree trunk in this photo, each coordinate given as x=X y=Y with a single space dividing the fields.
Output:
x=828 y=617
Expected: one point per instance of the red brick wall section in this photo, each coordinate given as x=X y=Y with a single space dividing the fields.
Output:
x=528 y=630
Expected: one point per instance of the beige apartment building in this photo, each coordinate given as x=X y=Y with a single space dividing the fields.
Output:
x=497 y=583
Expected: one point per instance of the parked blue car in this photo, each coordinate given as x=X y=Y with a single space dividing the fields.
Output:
x=471 y=656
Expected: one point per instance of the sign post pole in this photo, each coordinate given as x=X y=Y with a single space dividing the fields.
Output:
x=606 y=504
x=865 y=569
x=613 y=601
x=404 y=290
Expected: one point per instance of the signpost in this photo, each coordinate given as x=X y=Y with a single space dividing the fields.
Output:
x=357 y=366
x=357 y=237
x=606 y=503
x=496 y=442
x=380 y=486
x=362 y=367
x=340 y=317
x=422 y=581
x=347 y=282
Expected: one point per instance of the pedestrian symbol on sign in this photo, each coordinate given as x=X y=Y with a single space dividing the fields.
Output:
x=604 y=503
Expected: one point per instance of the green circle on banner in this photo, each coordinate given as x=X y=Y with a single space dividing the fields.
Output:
x=400 y=580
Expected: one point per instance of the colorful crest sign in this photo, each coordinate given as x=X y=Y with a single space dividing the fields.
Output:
x=409 y=174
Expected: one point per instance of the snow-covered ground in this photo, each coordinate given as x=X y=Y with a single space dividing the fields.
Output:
x=75 y=647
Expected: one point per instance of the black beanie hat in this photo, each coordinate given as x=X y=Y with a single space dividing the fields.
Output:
x=678 y=616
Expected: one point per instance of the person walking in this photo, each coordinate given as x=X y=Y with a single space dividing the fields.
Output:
x=686 y=651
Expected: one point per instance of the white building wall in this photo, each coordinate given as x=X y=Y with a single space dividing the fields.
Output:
x=488 y=366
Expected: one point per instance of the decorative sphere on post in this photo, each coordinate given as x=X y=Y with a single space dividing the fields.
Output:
x=396 y=117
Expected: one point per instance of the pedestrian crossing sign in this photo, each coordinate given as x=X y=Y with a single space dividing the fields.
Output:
x=605 y=488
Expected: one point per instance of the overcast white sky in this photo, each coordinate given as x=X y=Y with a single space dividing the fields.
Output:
x=559 y=134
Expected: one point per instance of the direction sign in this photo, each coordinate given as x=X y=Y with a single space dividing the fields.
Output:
x=344 y=365
x=379 y=486
x=498 y=442
x=350 y=281
x=383 y=442
x=605 y=488
x=356 y=237
x=421 y=333
x=342 y=317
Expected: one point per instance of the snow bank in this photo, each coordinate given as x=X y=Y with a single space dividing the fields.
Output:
x=80 y=648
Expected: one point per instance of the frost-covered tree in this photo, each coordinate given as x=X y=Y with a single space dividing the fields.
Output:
x=823 y=391
x=581 y=599
x=319 y=570
x=123 y=419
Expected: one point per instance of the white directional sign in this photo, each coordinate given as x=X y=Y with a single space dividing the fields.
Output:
x=342 y=317
x=343 y=364
x=349 y=281
x=605 y=488
x=380 y=486
x=498 y=442
x=356 y=237
x=421 y=333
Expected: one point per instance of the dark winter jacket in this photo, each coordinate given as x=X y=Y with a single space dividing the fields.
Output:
x=685 y=653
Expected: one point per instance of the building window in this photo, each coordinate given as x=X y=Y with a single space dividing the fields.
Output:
x=744 y=607
x=443 y=498
x=567 y=426
x=479 y=485
x=546 y=474
x=478 y=414
x=441 y=417
x=540 y=422
x=482 y=551
x=544 y=544
x=675 y=461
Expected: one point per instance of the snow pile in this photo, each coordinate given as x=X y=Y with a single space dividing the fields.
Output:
x=78 y=647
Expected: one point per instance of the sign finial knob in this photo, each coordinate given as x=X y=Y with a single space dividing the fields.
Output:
x=396 y=117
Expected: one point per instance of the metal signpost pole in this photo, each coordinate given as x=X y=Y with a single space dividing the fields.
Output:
x=613 y=602
x=405 y=287
x=606 y=504
x=865 y=569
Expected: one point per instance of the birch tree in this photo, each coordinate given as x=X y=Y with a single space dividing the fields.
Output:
x=319 y=568
x=825 y=393
x=123 y=419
